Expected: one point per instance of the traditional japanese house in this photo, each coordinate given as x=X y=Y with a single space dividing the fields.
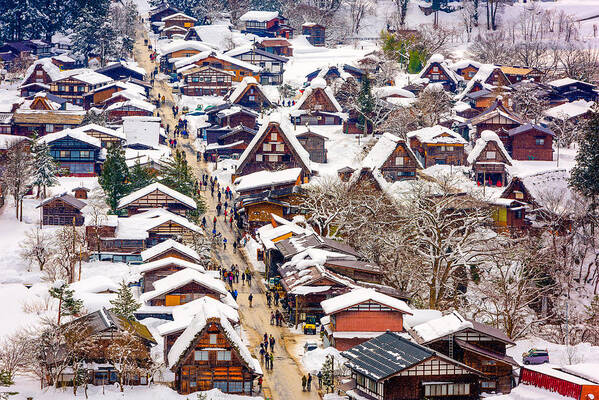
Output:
x=280 y=47
x=266 y=24
x=77 y=83
x=573 y=89
x=262 y=181
x=509 y=214
x=235 y=115
x=123 y=239
x=216 y=35
x=76 y=152
x=210 y=354
x=391 y=160
x=107 y=136
x=437 y=71
x=107 y=94
x=395 y=95
x=274 y=147
x=157 y=195
x=437 y=145
x=44 y=115
x=489 y=160
x=317 y=106
x=484 y=87
x=579 y=381
x=80 y=192
x=315 y=33
x=161 y=11
x=333 y=72
x=63 y=209
x=497 y=118
x=271 y=64
x=517 y=74
x=531 y=142
x=240 y=68
x=38 y=77
x=178 y=20
x=122 y=70
x=63 y=61
x=480 y=346
x=314 y=144
x=7 y=141
x=574 y=112
x=228 y=141
x=170 y=249
x=182 y=286
x=249 y=94
x=153 y=271
x=466 y=68
x=178 y=50
x=345 y=173
x=362 y=314
x=104 y=327
x=391 y=367
x=206 y=81
x=129 y=108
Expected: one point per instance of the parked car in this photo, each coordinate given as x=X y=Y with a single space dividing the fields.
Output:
x=535 y=356
x=309 y=346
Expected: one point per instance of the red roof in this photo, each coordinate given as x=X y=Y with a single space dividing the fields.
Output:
x=275 y=43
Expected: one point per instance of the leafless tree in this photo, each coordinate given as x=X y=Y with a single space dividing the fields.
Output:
x=127 y=354
x=69 y=243
x=97 y=217
x=358 y=9
x=431 y=39
x=565 y=131
x=529 y=106
x=579 y=61
x=432 y=105
x=13 y=354
x=37 y=248
x=491 y=48
x=386 y=73
x=17 y=175
x=401 y=121
x=492 y=7
x=402 y=10
x=467 y=13
x=327 y=206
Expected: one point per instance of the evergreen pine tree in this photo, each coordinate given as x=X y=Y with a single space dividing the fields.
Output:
x=67 y=305
x=178 y=175
x=140 y=177
x=328 y=374
x=45 y=167
x=125 y=305
x=585 y=174
x=114 y=176
x=365 y=102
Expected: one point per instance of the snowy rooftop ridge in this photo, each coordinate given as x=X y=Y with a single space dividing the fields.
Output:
x=339 y=303
x=318 y=83
x=267 y=178
x=149 y=266
x=188 y=201
x=72 y=133
x=481 y=143
x=437 y=328
x=167 y=245
x=434 y=134
x=260 y=16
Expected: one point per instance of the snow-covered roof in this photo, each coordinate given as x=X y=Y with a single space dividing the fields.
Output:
x=138 y=225
x=179 y=44
x=197 y=325
x=183 y=314
x=339 y=303
x=241 y=87
x=483 y=73
x=214 y=35
x=181 y=278
x=260 y=16
x=92 y=77
x=46 y=63
x=565 y=82
x=585 y=370
x=95 y=284
x=137 y=103
x=550 y=189
x=287 y=130
x=387 y=91
x=163 y=262
x=481 y=143
x=8 y=140
x=529 y=126
x=569 y=110
x=72 y=133
x=268 y=233
x=464 y=63
x=99 y=128
x=552 y=370
x=188 y=201
x=178 y=15
x=381 y=151
x=318 y=83
x=434 y=134
x=167 y=245
x=267 y=179
x=438 y=58
x=182 y=62
x=440 y=327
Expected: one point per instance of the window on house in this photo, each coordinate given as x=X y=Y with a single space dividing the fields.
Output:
x=273 y=158
x=223 y=355
x=201 y=355
x=487 y=385
x=65 y=154
x=435 y=77
x=213 y=337
x=280 y=147
x=435 y=69
x=252 y=97
x=273 y=136
x=84 y=154
x=518 y=214
x=258 y=157
x=61 y=88
x=39 y=73
x=266 y=147
x=491 y=154
x=518 y=194
x=399 y=160
x=448 y=148
x=220 y=79
x=540 y=141
x=49 y=128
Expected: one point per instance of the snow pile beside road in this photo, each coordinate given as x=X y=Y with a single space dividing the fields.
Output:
x=525 y=392
x=313 y=360
x=251 y=247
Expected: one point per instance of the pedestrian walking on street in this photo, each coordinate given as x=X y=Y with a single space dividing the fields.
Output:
x=260 y=382
x=235 y=251
x=272 y=318
x=236 y=276
x=242 y=275
x=271 y=341
x=235 y=294
x=231 y=225
x=272 y=361
x=319 y=379
x=230 y=280
x=250 y=298
x=225 y=214
x=266 y=359
x=224 y=243
x=268 y=299
x=262 y=353
x=309 y=382
x=304 y=382
x=265 y=339
x=219 y=195
x=276 y=298
x=249 y=278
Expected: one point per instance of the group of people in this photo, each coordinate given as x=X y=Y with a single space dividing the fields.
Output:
x=267 y=357
x=274 y=296
x=181 y=127
x=276 y=317
x=232 y=276
x=306 y=382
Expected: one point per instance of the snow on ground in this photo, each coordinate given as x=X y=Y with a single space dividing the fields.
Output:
x=526 y=392
x=22 y=307
x=251 y=248
x=313 y=360
x=558 y=355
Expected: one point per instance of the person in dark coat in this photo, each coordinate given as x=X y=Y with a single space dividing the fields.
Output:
x=309 y=382
x=250 y=298
x=304 y=382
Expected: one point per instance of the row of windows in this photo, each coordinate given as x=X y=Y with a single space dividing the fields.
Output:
x=255 y=24
x=64 y=88
x=72 y=154
x=447 y=389
x=204 y=355
x=207 y=79
x=273 y=147
x=78 y=168
x=273 y=157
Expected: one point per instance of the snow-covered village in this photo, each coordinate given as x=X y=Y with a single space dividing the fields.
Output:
x=299 y=199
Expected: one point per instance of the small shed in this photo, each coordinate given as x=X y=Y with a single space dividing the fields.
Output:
x=560 y=381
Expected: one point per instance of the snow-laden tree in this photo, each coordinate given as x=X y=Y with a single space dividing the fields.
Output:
x=358 y=10
x=114 y=176
x=18 y=173
x=447 y=235
x=468 y=13
x=37 y=248
x=433 y=104
x=13 y=355
x=67 y=304
x=69 y=242
x=585 y=174
x=529 y=106
x=125 y=304
x=327 y=204
x=401 y=121
x=491 y=48
x=128 y=355
x=45 y=167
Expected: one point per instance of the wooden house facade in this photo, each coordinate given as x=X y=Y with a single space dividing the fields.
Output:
x=517 y=74
x=206 y=81
x=437 y=145
x=62 y=210
x=437 y=71
x=278 y=46
x=271 y=65
x=573 y=90
x=180 y=20
x=107 y=136
x=489 y=160
x=392 y=158
x=466 y=69
x=233 y=116
x=170 y=249
x=157 y=195
x=121 y=70
x=43 y=117
x=530 y=142
x=273 y=148
x=266 y=24
x=74 y=87
x=209 y=354
x=317 y=106
x=314 y=145
x=497 y=118
x=241 y=69
x=76 y=152
x=249 y=94
x=315 y=33
x=378 y=373
x=154 y=271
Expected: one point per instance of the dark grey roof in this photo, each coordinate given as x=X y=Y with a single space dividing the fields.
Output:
x=264 y=53
x=527 y=127
x=67 y=198
x=385 y=355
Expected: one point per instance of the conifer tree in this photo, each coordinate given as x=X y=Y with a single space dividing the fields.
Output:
x=178 y=175
x=67 y=305
x=585 y=174
x=125 y=305
x=114 y=176
x=140 y=177
x=328 y=373
x=365 y=102
x=45 y=168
